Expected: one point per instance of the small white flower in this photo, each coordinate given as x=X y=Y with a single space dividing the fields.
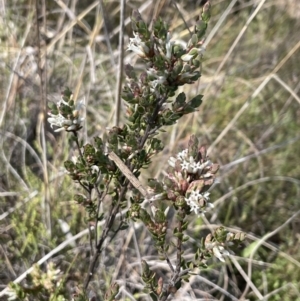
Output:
x=58 y=120
x=160 y=80
x=182 y=155
x=194 y=207
x=219 y=252
x=196 y=195
x=194 y=201
x=169 y=45
x=195 y=167
x=74 y=159
x=185 y=165
x=95 y=169
x=136 y=50
x=206 y=195
x=201 y=50
x=72 y=127
x=138 y=46
x=172 y=161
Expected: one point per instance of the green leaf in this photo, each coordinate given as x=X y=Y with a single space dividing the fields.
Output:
x=69 y=165
x=89 y=150
x=200 y=29
x=79 y=198
x=185 y=238
x=181 y=98
x=178 y=235
x=196 y=101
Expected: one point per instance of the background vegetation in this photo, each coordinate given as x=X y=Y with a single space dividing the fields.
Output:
x=249 y=118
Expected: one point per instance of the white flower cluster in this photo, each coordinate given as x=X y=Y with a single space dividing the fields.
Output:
x=189 y=164
x=196 y=200
x=142 y=50
x=72 y=123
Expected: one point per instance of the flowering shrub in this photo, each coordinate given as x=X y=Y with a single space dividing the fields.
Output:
x=108 y=169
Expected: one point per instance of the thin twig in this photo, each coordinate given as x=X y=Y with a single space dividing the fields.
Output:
x=121 y=64
x=169 y=261
x=43 y=112
x=109 y=222
x=128 y=174
x=182 y=17
x=107 y=37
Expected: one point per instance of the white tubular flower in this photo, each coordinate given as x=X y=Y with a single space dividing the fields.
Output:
x=190 y=55
x=160 y=80
x=72 y=127
x=169 y=46
x=219 y=252
x=136 y=45
x=187 y=57
x=136 y=50
x=172 y=161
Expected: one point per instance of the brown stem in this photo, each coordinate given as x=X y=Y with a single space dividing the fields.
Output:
x=109 y=223
x=77 y=144
x=179 y=242
x=169 y=262
x=151 y=121
x=176 y=273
